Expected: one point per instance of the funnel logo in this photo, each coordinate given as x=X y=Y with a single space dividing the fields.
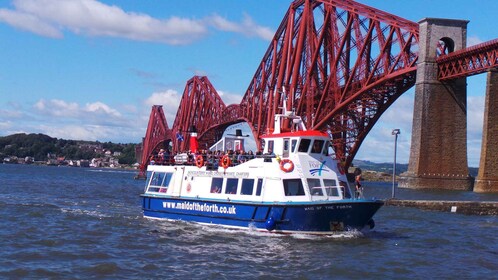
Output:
x=317 y=168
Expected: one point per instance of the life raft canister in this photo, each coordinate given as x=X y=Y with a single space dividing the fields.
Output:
x=199 y=161
x=286 y=165
x=225 y=161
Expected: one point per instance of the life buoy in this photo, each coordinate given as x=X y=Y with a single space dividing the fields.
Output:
x=225 y=161
x=199 y=161
x=341 y=169
x=189 y=187
x=286 y=165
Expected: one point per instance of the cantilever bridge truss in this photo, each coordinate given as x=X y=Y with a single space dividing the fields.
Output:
x=341 y=65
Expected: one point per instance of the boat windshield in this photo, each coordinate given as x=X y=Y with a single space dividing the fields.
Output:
x=304 y=145
x=317 y=146
x=329 y=189
x=293 y=187
x=159 y=182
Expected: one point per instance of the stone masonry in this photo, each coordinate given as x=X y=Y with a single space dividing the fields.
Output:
x=487 y=178
x=438 y=156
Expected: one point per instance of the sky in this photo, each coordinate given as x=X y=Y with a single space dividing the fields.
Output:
x=92 y=69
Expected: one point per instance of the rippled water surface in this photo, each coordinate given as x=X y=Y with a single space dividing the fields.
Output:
x=81 y=223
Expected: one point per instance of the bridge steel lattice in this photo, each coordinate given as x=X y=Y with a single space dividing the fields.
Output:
x=339 y=64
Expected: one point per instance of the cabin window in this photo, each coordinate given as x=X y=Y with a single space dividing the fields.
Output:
x=286 y=148
x=159 y=181
x=247 y=186
x=331 y=187
x=156 y=179
x=315 y=187
x=270 y=147
x=231 y=187
x=304 y=145
x=216 y=184
x=293 y=187
x=259 y=187
x=293 y=145
x=317 y=146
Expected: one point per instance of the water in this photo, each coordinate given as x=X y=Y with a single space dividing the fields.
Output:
x=81 y=223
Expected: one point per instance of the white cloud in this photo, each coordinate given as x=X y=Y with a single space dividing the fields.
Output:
x=230 y=98
x=101 y=108
x=93 y=18
x=91 y=132
x=5 y=125
x=10 y=114
x=473 y=40
x=169 y=99
x=96 y=113
x=29 y=23
x=247 y=27
x=57 y=108
x=378 y=146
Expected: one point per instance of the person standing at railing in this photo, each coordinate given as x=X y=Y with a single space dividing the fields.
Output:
x=357 y=181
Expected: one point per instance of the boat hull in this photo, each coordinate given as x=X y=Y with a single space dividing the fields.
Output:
x=303 y=217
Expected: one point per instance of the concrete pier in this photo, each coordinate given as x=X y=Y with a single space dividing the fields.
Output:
x=462 y=207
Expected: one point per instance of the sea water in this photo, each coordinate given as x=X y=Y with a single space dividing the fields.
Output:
x=83 y=223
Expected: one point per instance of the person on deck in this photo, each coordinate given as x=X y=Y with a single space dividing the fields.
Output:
x=357 y=181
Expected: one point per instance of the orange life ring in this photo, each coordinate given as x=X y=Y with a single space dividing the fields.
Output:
x=225 y=161
x=199 y=161
x=341 y=168
x=286 y=162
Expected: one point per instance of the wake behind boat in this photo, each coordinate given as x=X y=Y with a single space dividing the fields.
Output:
x=295 y=186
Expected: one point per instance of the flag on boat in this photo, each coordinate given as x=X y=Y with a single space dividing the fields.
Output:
x=179 y=137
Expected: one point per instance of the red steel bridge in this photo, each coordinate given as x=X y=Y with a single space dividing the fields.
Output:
x=341 y=65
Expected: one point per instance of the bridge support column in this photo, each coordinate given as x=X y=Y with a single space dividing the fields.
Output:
x=487 y=178
x=438 y=156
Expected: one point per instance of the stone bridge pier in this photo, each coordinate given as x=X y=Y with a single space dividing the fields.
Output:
x=438 y=156
x=487 y=178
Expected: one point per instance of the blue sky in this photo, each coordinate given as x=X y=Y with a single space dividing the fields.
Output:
x=91 y=70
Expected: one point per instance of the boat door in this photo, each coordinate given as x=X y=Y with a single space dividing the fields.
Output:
x=177 y=181
x=285 y=152
x=237 y=145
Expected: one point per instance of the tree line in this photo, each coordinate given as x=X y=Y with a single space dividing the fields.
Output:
x=40 y=146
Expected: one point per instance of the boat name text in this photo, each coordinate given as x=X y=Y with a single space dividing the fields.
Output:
x=218 y=174
x=202 y=207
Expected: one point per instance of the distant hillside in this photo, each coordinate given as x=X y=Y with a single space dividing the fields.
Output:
x=41 y=147
x=387 y=168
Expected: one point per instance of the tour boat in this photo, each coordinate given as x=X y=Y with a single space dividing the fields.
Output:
x=295 y=186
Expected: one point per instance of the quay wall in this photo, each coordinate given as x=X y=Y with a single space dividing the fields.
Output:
x=462 y=207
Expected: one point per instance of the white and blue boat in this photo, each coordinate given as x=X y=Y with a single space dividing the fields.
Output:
x=296 y=186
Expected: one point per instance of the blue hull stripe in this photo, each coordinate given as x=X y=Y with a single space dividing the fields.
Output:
x=299 y=217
